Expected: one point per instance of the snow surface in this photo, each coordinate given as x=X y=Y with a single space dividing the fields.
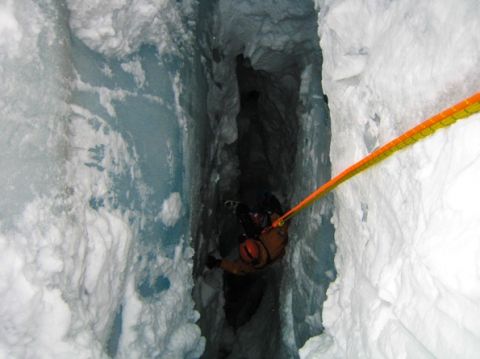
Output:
x=407 y=230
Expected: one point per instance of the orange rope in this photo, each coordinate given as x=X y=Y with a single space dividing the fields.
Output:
x=445 y=118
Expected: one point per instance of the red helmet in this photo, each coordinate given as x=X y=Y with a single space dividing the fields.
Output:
x=249 y=251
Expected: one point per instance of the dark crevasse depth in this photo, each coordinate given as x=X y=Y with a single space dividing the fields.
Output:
x=267 y=118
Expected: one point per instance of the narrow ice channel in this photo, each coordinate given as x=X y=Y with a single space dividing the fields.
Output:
x=271 y=127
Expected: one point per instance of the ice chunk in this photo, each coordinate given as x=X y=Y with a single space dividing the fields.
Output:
x=171 y=209
x=135 y=68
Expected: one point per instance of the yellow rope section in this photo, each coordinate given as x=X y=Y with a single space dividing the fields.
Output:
x=445 y=118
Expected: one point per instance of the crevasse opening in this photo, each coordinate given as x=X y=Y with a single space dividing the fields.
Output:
x=269 y=125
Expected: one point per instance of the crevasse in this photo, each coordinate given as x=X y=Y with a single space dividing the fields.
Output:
x=126 y=124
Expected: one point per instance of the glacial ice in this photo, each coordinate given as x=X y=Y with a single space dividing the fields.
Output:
x=96 y=260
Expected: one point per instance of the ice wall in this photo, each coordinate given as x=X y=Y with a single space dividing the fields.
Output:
x=96 y=151
x=407 y=230
x=309 y=267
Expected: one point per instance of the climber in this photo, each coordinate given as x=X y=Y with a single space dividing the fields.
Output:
x=261 y=244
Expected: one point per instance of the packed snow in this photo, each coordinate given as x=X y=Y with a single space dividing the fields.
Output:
x=406 y=230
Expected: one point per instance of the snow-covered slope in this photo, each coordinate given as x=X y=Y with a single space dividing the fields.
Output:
x=408 y=230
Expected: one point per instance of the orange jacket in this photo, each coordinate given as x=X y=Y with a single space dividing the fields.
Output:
x=272 y=242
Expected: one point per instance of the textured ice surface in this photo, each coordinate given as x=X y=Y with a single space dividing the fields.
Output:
x=309 y=266
x=121 y=27
x=406 y=230
x=95 y=249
